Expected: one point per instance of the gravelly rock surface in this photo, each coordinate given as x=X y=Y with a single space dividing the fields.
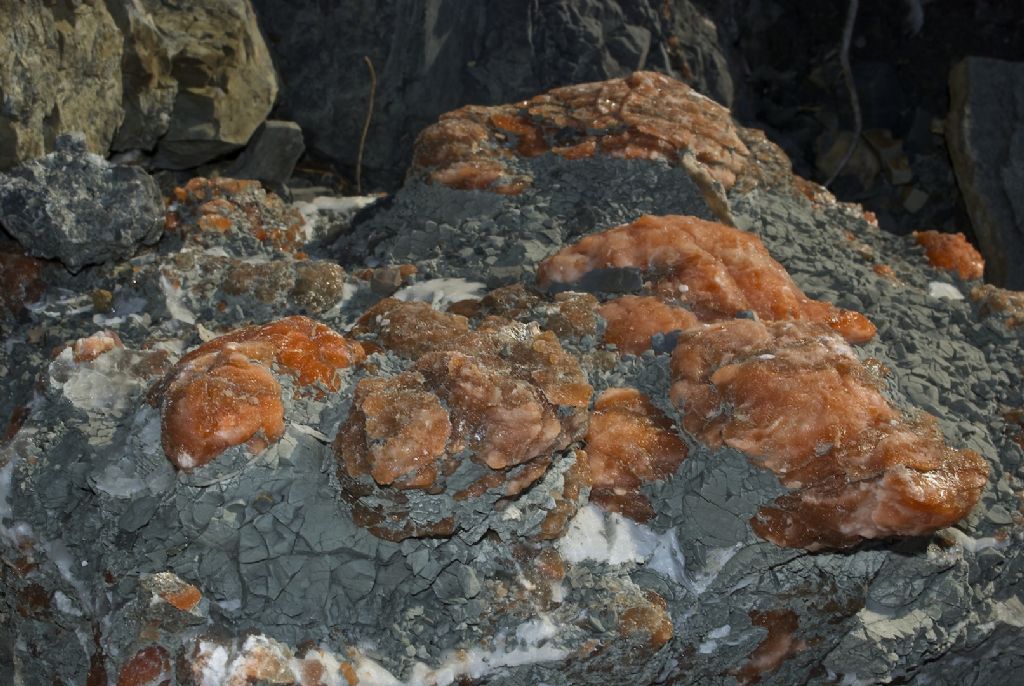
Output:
x=90 y=506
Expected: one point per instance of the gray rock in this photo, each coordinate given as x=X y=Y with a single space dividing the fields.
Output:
x=985 y=134
x=432 y=57
x=74 y=206
x=271 y=154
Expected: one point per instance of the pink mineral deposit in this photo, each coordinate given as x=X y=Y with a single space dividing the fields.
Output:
x=797 y=401
x=630 y=442
x=717 y=270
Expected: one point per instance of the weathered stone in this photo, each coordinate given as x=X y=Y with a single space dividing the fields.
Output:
x=227 y=82
x=271 y=153
x=985 y=134
x=74 y=206
x=61 y=73
x=192 y=80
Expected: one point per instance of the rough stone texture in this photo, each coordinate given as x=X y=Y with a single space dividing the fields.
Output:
x=984 y=134
x=74 y=206
x=271 y=153
x=421 y=51
x=291 y=587
x=226 y=80
x=191 y=80
x=61 y=74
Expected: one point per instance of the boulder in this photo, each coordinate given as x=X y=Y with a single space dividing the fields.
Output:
x=189 y=80
x=433 y=57
x=226 y=80
x=271 y=154
x=62 y=73
x=985 y=134
x=74 y=206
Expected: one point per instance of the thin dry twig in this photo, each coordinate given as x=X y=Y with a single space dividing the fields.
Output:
x=851 y=88
x=366 y=124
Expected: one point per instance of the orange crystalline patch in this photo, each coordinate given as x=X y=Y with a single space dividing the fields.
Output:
x=504 y=395
x=643 y=116
x=149 y=667
x=305 y=349
x=795 y=399
x=219 y=400
x=223 y=393
x=630 y=442
x=91 y=347
x=777 y=647
x=633 y=319
x=716 y=269
x=952 y=252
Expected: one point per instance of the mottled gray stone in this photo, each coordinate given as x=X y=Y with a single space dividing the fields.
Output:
x=271 y=153
x=74 y=206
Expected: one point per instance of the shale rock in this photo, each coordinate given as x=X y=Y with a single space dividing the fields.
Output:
x=74 y=206
x=421 y=50
x=984 y=132
x=271 y=154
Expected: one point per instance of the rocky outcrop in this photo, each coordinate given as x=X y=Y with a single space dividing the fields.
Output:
x=76 y=207
x=516 y=486
x=986 y=143
x=189 y=80
x=432 y=57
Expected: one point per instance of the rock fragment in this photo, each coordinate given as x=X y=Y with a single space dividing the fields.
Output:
x=237 y=214
x=271 y=153
x=74 y=206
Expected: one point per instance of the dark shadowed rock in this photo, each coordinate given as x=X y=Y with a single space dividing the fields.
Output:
x=432 y=57
x=271 y=154
x=985 y=133
x=74 y=206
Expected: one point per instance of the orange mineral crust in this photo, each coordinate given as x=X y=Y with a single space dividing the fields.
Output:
x=149 y=667
x=645 y=115
x=504 y=396
x=308 y=351
x=219 y=400
x=796 y=400
x=20 y=282
x=717 y=270
x=633 y=319
x=952 y=252
x=630 y=442
x=224 y=392
x=204 y=210
x=776 y=647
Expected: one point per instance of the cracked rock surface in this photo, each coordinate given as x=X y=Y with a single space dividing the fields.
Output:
x=447 y=474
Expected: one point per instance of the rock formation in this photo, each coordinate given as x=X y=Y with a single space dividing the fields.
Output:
x=582 y=433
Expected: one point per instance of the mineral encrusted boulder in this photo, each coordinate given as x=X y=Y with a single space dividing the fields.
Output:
x=74 y=206
x=479 y=416
x=514 y=52
x=545 y=549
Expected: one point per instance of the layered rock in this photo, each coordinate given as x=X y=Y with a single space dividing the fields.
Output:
x=983 y=134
